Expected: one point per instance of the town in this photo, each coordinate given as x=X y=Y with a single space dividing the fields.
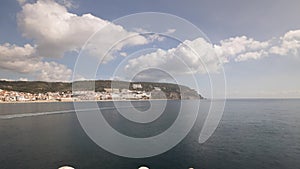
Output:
x=107 y=94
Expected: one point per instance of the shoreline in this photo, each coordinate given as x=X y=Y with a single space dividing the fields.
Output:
x=52 y=101
x=44 y=101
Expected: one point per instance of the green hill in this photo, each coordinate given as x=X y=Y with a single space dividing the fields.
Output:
x=172 y=91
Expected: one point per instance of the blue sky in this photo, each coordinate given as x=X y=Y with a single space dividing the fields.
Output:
x=263 y=36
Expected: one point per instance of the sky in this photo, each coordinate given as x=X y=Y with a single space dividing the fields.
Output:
x=231 y=48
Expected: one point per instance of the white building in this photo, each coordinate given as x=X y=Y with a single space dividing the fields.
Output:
x=137 y=86
x=157 y=89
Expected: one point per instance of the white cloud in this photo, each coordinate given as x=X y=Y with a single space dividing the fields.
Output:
x=23 y=79
x=20 y=79
x=52 y=71
x=250 y=55
x=158 y=36
x=170 y=31
x=196 y=56
x=56 y=31
x=208 y=57
x=123 y=54
x=23 y=60
x=242 y=47
x=212 y=57
x=3 y=79
x=289 y=44
x=15 y=51
x=153 y=37
x=18 y=58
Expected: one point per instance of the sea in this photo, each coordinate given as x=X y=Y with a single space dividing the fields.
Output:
x=252 y=134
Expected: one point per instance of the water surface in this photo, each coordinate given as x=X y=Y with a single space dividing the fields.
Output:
x=255 y=133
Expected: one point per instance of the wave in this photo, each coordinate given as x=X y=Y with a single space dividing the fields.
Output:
x=13 y=116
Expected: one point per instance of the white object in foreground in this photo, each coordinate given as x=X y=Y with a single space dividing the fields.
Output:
x=66 y=167
x=143 y=167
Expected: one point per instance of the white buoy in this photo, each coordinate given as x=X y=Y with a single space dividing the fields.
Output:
x=66 y=167
x=143 y=167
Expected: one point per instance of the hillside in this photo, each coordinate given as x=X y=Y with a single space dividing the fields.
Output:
x=172 y=91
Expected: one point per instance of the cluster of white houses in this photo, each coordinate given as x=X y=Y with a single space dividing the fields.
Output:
x=107 y=94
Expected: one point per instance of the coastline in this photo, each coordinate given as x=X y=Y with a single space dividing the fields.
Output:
x=52 y=101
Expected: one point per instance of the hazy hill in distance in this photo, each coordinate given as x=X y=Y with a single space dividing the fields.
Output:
x=172 y=91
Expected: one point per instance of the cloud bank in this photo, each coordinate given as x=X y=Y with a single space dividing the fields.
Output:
x=54 y=31
x=23 y=60
x=202 y=57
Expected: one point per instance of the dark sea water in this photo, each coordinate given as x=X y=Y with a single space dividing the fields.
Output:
x=253 y=134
